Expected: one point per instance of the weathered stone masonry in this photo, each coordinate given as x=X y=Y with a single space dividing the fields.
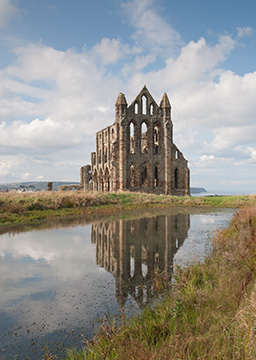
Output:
x=137 y=152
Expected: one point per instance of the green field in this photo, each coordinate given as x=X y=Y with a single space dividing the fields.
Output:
x=17 y=208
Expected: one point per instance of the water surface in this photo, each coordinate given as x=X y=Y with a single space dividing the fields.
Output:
x=57 y=284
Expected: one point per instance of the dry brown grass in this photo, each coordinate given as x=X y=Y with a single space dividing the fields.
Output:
x=33 y=207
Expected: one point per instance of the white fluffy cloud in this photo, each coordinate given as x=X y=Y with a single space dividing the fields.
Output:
x=151 y=31
x=244 y=31
x=7 y=12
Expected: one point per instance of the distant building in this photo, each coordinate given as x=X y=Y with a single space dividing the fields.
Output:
x=137 y=152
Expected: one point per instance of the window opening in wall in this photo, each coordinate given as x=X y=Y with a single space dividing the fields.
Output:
x=176 y=154
x=105 y=155
x=155 y=140
x=156 y=177
x=144 y=104
x=151 y=109
x=100 y=157
x=131 y=129
x=144 y=138
x=176 y=176
x=132 y=176
x=136 y=108
x=113 y=133
x=144 y=176
x=102 y=185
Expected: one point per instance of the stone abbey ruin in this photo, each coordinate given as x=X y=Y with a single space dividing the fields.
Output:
x=137 y=152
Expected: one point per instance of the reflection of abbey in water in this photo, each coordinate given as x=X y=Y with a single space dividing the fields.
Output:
x=133 y=249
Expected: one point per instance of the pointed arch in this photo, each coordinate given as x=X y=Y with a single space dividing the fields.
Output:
x=144 y=175
x=156 y=138
x=144 y=137
x=156 y=176
x=144 y=104
x=151 y=109
x=131 y=137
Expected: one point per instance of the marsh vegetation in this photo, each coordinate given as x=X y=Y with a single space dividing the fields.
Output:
x=33 y=207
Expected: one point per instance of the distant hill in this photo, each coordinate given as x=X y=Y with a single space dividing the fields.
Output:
x=37 y=185
x=194 y=190
x=42 y=185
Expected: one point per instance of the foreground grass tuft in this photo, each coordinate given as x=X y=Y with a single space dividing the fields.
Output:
x=32 y=207
x=209 y=314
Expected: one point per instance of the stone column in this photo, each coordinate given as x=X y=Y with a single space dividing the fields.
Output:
x=167 y=159
x=123 y=157
x=87 y=176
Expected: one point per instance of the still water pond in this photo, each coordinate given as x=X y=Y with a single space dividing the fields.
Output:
x=57 y=283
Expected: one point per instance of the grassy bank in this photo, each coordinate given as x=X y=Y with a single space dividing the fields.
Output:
x=210 y=313
x=32 y=207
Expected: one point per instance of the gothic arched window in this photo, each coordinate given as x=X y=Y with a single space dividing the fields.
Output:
x=131 y=136
x=151 y=109
x=144 y=138
x=144 y=101
x=156 y=139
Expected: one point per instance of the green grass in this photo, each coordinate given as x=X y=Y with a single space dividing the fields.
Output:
x=33 y=207
x=208 y=314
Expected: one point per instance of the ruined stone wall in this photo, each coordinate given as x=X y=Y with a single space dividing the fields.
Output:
x=137 y=153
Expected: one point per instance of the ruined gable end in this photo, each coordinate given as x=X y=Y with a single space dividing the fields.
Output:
x=137 y=152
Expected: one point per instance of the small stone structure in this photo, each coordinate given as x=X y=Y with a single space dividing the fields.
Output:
x=137 y=152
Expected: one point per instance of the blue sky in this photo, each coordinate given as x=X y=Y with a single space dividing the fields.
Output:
x=63 y=64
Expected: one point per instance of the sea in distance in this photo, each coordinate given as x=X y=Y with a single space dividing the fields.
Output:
x=224 y=192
